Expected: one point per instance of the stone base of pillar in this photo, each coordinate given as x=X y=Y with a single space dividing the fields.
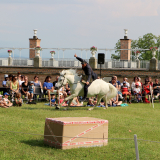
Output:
x=10 y=61
x=153 y=64
x=53 y=62
x=93 y=62
x=37 y=62
x=138 y=63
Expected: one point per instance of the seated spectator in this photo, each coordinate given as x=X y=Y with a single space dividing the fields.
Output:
x=75 y=102
x=114 y=83
x=24 y=90
x=133 y=85
x=14 y=87
x=126 y=92
x=2 y=102
x=62 y=90
x=7 y=102
x=139 y=80
x=68 y=89
x=48 y=87
x=90 y=102
x=146 y=91
x=21 y=80
x=137 y=93
x=150 y=81
x=126 y=79
x=9 y=82
x=5 y=80
x=54 y=83
x=37 y=82
x=31 y=90
x=53 y=99
x=156 y=89
x=18 y=100
x=60 y=100
x=114 y=102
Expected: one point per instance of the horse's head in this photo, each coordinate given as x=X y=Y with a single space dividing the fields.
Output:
x=61 y=81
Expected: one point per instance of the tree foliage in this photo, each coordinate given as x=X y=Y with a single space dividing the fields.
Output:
x=146 y=42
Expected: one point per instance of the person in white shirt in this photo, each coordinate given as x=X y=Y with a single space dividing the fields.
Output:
x=137 y=92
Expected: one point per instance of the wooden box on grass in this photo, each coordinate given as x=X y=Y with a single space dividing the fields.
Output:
x=75 y=132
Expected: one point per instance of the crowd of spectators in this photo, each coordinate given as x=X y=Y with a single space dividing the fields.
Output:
x=18 y=88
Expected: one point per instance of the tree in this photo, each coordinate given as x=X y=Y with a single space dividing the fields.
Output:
x=146 y=42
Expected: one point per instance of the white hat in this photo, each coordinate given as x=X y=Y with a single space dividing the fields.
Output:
x=6 y=75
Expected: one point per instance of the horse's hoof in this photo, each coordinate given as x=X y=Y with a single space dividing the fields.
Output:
x=89 y=109
x=104 y=108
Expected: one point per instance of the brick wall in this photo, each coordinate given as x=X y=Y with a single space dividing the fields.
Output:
x=32 y=44
x=125 y=44
x=53 y=72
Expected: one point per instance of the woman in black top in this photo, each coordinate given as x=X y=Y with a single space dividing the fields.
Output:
x=25 y=87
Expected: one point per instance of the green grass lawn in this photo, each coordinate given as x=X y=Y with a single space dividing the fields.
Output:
x=141 y=119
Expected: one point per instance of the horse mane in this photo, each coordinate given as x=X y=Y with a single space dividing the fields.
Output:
x=69 y=72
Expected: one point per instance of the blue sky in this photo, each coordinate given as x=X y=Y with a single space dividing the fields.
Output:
x=76 y=23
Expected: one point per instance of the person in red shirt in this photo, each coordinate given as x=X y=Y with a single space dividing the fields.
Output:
x=126 y=92
x=146 y=90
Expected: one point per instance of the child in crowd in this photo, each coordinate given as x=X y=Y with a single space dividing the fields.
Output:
x=6 y=102
x=2 y=103
x=18 y=100
x=137 y=92
x=31 y=90
x=126 y=92
x=75 y=102
x=60 y=99
x=90 y=102
x=53 y=100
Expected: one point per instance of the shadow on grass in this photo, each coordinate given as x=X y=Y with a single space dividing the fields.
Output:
x=61 y=109
x=38 y=143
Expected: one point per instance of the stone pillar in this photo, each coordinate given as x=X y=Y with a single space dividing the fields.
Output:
x=138 y=63
x=93 y=62
x=51 y=60
x=125 y=44
x=10 y=61
x=153 y=64
x=37 y=61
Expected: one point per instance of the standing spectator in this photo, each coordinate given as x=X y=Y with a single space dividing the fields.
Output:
x=25 y=87
x=5 y=80
x=6 y=101
x=31 y=90
x=156 y=89
x=146 y=90
x=54 y=83
x=48 y=87
x=14 y=87
x=18 y=99
x=126 y=92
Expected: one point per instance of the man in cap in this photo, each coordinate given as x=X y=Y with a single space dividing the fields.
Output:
x=89 y=72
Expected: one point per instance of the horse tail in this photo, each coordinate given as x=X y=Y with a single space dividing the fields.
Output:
x=112 y=91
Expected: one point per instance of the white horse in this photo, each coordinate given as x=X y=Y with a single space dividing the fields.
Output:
x=98 y=87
